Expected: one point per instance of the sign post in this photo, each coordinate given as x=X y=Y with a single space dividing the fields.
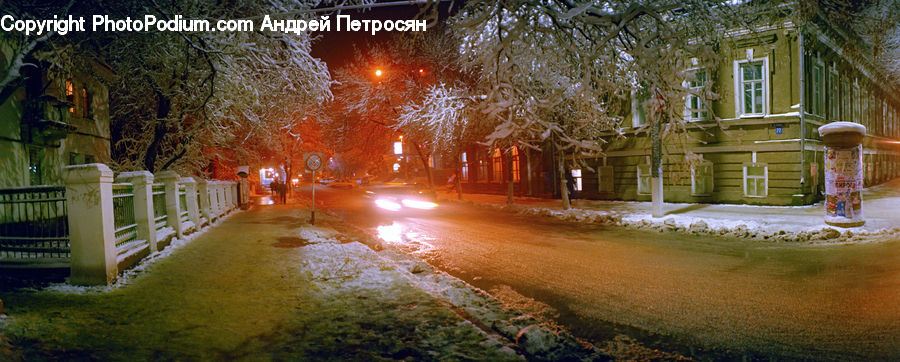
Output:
x=313 y=162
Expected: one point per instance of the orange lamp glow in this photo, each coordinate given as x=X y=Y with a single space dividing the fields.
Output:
x=378 y=72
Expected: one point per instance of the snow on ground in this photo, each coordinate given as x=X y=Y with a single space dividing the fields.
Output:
x=768 y=223
x=343 y=268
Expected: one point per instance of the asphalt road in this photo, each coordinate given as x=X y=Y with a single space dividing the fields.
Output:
x=706 y=297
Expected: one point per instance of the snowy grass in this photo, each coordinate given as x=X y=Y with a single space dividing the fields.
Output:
x=127 y=276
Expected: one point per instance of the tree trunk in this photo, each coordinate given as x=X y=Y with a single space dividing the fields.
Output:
x=163 y=107
x=528 y=172
x=564 y=191
x=510 y=187
x=427 y=169
x=458 y=178
x=656 y=190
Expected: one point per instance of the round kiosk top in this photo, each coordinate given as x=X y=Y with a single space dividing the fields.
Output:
x=842 y=127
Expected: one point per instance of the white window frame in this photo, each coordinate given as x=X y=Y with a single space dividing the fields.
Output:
x=577 y=176
x=464 y=166
x=688 y=114
x=765 y=178
x=739 y=89
x=640 y=175
x=605 y=178
x=694 y=179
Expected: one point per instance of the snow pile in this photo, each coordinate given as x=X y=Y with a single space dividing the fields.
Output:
x=751 y=225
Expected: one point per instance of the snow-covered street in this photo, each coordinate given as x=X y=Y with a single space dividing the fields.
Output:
x=264 y=284
x=700 y=295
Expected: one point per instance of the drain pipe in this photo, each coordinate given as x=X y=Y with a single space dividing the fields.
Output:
x=802 y=109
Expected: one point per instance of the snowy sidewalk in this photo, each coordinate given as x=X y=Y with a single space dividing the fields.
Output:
x=264 y=284
x=881 y=206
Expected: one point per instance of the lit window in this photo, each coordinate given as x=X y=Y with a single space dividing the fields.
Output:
x=751 y=84
x=70 y=95
x=515 y=164
x=465 y=167
x=396 y=167
x=702 y=178
x=605 y=179
x=398 y=148
x=643 y=177
x=755 y=179
x=497 y=161
x=576 y=175
x=695 y=108
x=86 y=100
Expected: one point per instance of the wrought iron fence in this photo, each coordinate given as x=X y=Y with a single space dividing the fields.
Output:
x=34 y=223
x=182 y=204
x=159 y=206
x=123 y=213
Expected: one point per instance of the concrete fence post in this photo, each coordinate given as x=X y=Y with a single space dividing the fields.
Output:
x=170 y=180
x=190 y=190
x=142 y=182
x=203 y=191
x=91 y=225
x=235 y=197
x=220 y=193
x=229 y=194
x=213 y=199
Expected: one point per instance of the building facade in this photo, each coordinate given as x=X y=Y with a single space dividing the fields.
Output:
x=775 y=89
x=52 y=122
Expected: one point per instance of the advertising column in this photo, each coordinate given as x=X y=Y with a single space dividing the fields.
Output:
x=843 y=173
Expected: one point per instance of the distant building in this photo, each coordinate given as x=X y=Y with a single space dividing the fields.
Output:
x=766 y=149
x=757 y=154
x=52 y=122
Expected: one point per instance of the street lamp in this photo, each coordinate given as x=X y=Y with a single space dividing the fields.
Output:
x=378 y=73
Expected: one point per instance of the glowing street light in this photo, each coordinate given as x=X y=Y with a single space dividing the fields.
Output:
x=378 y=73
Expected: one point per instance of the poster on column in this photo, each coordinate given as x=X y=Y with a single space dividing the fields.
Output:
x=843 y=183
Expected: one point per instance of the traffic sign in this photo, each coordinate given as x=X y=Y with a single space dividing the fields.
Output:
x=313 y=161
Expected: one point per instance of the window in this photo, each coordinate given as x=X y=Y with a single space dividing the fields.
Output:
x=856 y=103
x=695 y=108
x=638 y=117
x=497 y=163
x=464 y=165
x=845 y=100
x=702 y=178
x=70 y=95
x=396 y=167
x=643 y=177
x=398 y=148
x=87 y=110
x=818 y=90
x=89 y=159
x=605 y=179
x=75 y=158
x=576 y=175
x=833 y=91
x=35 y=161
x=755 y=179
x=751 y=79
x=515 y=164
x=482 y=168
